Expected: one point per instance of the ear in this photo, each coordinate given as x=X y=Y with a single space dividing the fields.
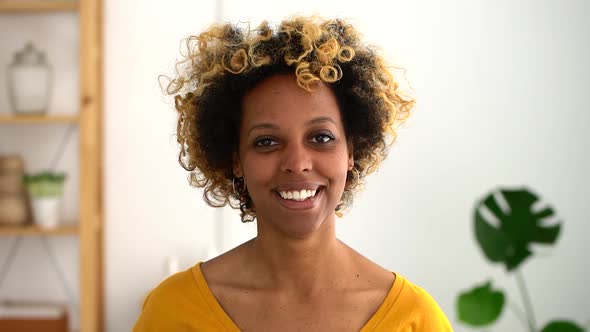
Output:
x=237 y=166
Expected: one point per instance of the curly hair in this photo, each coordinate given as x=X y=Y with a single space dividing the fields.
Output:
x=226 y=61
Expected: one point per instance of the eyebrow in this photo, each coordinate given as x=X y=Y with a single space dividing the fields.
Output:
x=265 y=125
x=320 y=119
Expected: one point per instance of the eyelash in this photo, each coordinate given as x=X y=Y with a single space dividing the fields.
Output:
x=330 y=137
x=258 y=142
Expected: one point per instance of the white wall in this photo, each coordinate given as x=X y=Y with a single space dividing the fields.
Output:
x=501 y=88
x=151 y=212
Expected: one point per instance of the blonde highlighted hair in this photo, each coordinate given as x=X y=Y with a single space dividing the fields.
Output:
x=225 y=61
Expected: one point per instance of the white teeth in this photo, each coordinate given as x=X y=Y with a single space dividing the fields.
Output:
x=300 y=195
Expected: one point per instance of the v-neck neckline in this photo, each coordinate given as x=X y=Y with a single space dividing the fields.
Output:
x=230 y=325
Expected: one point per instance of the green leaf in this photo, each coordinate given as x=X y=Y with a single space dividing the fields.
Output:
x=45 y=183
x=480 y=306
x=508 y=243
x=562 y=326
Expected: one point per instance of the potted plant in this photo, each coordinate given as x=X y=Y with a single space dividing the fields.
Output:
x=505 y=235
x=45 y=189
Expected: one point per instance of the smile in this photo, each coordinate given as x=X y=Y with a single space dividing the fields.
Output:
x=298 y=195
x=301 y=199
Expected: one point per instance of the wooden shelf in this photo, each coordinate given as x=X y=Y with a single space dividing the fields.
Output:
x=13 y=6
x=46 y=118
x=36 y=230
x=89 y=123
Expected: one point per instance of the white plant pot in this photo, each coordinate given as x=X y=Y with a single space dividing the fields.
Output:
x=46 y=211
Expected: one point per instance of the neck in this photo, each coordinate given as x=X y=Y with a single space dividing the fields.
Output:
x=305 y=265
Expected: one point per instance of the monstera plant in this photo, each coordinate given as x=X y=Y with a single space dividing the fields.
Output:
x=504 y=234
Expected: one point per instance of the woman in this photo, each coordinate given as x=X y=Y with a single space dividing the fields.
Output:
x=284 y=124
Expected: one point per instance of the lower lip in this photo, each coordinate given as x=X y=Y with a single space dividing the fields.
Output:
x=300 y=205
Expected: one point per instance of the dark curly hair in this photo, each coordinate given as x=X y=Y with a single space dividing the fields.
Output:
x=226 y=61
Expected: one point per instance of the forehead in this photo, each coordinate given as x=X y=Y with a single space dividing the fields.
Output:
x=279 y=99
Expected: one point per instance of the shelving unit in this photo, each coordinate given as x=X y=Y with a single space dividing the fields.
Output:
x=31 y=230
x=89 y=122
x=50 y=118
x=37 y=6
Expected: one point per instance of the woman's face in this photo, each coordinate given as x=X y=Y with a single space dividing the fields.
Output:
x=293 y=155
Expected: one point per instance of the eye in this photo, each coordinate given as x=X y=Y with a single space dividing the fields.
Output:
x=322 y=138
x=265 y=142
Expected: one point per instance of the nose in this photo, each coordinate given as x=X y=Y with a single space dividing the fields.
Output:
x=296 y=158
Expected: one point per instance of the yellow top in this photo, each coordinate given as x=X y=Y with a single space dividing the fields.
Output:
x=184 y=302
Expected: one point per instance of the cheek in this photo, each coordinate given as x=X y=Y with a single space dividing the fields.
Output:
x=335 y=168
x=257 y=170
x=338 y=162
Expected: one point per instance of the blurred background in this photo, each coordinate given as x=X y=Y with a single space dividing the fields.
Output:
x=501 y=89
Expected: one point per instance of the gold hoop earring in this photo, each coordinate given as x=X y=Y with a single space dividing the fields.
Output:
x=240 y=191
x=357 y=174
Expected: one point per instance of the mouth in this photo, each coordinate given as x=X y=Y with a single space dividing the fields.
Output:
x=298 y=195
x=299 y=199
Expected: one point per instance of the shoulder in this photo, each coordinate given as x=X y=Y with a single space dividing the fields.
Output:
x=173 y=288
x=176 y=303
x=416 y=307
